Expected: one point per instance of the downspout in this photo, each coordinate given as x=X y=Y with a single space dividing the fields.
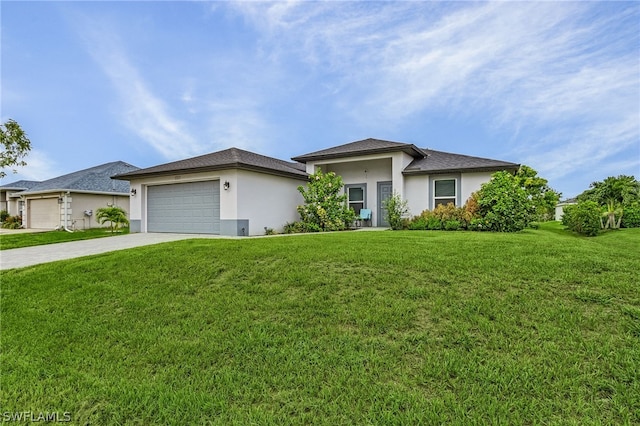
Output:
x=66 y=217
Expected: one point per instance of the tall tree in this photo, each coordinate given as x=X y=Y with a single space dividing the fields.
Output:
x=15 y=146
x=543 y=196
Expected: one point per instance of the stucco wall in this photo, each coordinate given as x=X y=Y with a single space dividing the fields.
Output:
x=471 y=182
x=266 y=200
x=79 y=203
x=263 y=199
x=417 y=193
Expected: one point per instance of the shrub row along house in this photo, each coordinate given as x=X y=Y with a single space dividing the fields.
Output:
x=67 y=201
x=236 y=192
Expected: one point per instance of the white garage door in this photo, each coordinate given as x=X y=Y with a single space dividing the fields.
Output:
x=43 y=213
x=191 y=208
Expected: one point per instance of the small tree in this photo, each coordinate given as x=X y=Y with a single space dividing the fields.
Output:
x=15 y=146
x=325 y=207
x=396 y=210
x=115 y=215
x=544 y=198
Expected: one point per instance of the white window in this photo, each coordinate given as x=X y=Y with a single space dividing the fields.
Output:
x=356 y=197
x=444 y=192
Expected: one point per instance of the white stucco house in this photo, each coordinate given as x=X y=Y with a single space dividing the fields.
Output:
x=236 y=192
x=69 y=201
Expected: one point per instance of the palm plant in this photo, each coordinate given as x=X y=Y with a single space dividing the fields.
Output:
x=115 y=215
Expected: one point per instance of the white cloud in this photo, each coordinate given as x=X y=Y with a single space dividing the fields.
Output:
x=562 y=78
x=39 y=167
x=142 y=112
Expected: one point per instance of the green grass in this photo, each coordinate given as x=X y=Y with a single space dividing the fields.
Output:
x=539 y=327
x=11 y=241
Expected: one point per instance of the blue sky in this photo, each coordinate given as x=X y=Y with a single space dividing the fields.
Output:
x=554 y=85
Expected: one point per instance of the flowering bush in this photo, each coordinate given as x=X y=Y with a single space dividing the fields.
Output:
x=325 y=207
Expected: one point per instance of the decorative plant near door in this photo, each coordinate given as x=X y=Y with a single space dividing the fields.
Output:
x=396 y=210
x=115 y=215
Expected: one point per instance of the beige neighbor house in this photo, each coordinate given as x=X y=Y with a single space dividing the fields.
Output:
x=70 y=201
x=9 y=200
x=236 y=192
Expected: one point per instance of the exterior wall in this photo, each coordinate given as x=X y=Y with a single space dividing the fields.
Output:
x=417 y=193
x=259 y=198
x=419 y=188
x=78 y=203
x=266 y=200
x=471 y=182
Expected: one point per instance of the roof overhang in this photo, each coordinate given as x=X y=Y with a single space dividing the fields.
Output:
x=56 y=192
x=512 y=169
x=238 y=166
x=409 y=149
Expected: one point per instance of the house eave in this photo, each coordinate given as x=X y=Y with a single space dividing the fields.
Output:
x=194 y=170
x=72 y=191
x=512 y=169
x=408 y=149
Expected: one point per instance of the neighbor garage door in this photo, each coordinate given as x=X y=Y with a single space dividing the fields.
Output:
x=192 y=208
x=43 y=213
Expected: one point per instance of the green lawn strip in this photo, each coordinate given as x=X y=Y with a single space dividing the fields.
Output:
x=11 y=241
x=383 y=327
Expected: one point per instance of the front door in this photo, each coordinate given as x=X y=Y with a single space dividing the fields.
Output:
x=385 y=191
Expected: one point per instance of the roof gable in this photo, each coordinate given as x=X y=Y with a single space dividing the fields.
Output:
x=94 y=179
x=226 y=159
x=444 y=162
x=362 y=147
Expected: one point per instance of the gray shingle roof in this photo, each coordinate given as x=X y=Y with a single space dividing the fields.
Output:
x=94 y=179
x=226 y=159
x=363 y=147
x=20 y=185
x=445 y=162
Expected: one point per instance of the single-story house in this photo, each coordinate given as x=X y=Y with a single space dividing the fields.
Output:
x=561 y=205
x=70 y=201
x=9 y=200
x=236 y=192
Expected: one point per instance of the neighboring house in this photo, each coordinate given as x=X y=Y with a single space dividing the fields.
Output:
x=561 y=205
x=9 y=200
x=70 y=201
x=236 y=192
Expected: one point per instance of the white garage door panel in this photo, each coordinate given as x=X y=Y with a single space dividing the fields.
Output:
x=192 y=208
x=44 y=213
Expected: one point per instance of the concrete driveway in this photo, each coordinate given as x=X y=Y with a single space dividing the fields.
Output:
x=28 y=256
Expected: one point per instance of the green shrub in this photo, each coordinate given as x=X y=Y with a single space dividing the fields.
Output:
x=418 y=223
x=583 y=218
x=477 y=224
x=294 y=228
x=396 y=209
x=434 y=224
x=452 y=225
x=3 y=215
x=631 y=216
x=325 y=207
x=12 y=222
x=504 y=204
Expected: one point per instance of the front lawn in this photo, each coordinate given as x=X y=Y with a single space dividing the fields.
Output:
x=539 y=327
x=18 y=240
